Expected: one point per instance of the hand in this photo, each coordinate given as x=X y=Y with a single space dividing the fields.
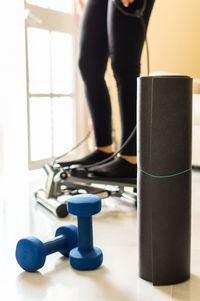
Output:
x=127 y=2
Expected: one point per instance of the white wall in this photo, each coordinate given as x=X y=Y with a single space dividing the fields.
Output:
x=13 y=125
x=173 y=37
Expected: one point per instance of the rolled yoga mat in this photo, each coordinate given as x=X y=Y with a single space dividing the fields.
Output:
x=164 y=131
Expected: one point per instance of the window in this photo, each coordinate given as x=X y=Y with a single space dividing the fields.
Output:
x=51 y=78
x=59 y=5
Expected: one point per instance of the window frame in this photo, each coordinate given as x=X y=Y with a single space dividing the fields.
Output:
x=45 y=18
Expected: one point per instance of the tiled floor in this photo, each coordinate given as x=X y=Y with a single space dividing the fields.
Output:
x=114 y=231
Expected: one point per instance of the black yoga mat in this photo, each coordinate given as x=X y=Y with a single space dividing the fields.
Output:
x=164 y=131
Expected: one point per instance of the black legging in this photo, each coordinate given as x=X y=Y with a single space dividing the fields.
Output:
x=107 y=32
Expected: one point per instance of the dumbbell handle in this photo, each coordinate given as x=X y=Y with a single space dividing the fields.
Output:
x=56 y=244
x=85 y=233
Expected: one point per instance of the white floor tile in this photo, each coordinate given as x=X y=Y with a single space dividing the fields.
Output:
x=189 y=290
x=115 y=231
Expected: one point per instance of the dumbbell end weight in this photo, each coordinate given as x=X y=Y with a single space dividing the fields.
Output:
x=85 y=261
x=30 y=253
x=70 y=233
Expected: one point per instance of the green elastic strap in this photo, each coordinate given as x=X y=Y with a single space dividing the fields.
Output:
x=169 y=176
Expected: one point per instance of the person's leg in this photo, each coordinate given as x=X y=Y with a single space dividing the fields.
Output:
x=92 y=62
x=126 y=39
x=93 y=59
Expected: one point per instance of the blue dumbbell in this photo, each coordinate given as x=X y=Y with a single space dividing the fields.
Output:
x=85 y=256
x=31 y=252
